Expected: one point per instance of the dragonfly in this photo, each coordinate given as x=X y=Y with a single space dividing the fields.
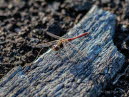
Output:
x=56 y=45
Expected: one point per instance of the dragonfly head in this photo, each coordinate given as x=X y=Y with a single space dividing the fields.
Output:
x=59 y=45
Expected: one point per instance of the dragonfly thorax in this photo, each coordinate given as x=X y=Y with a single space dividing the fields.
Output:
x=59 y=45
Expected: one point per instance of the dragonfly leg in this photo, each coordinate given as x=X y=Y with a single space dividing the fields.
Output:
x=38 y=54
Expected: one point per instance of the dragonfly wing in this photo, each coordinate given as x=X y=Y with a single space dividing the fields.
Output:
x=68 y=52
x=46 y=44
x=53 y=35
x=78 y=53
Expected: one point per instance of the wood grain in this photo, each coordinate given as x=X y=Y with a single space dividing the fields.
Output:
x=89 y=65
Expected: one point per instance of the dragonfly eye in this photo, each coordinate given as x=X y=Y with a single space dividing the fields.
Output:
x=55 y=47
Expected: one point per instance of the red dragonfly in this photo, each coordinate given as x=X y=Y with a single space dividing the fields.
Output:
x=57 y=44
x=60 y=43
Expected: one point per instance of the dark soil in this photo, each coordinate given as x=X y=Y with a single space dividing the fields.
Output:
x=25 y=23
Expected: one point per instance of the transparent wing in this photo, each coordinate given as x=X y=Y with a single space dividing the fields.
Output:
x=53 y=35
x=68 y=52
x=79 y=52
x=47 y=44
x=76 y=52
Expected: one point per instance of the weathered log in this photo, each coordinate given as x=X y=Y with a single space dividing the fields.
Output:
x=92 y=62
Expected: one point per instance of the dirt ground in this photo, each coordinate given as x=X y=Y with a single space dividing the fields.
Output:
x=26 y=23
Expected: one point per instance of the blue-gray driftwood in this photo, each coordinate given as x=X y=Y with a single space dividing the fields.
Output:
x=80 y=74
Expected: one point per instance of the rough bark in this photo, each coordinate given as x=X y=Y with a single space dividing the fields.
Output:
x=89 y=65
